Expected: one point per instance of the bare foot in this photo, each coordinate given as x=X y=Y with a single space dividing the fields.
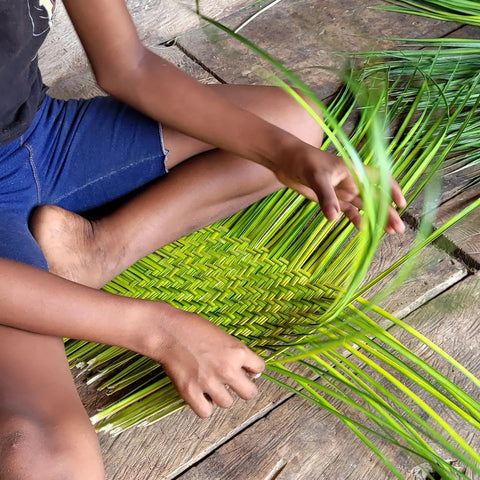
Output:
x=71 y=245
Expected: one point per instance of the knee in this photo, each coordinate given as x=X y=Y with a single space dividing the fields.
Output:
x=30 y=451
x=301 y=115
x=308 y=115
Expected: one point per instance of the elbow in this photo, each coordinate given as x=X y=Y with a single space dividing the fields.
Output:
x=113 y=84
x=103 y=81
x=120 y=79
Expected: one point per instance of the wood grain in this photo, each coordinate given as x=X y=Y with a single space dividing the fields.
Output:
x=428 y=274
x=464 y=236
x=80 y=83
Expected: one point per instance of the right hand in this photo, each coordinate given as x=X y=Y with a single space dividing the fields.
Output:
x=325 y=178
x=203 y=361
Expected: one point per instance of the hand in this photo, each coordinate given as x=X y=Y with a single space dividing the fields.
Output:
x=203 y=361
x=325 y=178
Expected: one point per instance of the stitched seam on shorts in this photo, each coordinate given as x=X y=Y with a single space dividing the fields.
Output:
x=34 y=169
x=99 y=179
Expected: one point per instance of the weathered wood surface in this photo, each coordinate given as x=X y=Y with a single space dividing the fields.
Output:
x=429 y=274
x=157 y=21
x=464 y=235
x=455 y=183
x=466 y=31
x=164 y=450
x=299 y=441
x=458 y=192
x=307 y=36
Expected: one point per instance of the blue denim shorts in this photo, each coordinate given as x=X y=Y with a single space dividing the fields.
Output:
x=79 y=155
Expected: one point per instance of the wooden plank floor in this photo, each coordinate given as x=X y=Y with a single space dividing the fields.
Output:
x=157 y=21
x=278 y=435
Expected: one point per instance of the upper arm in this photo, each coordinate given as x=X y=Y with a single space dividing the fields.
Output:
x=108 y=35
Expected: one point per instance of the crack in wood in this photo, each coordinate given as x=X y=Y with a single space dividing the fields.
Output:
x=447 y=245
x=200 y=63
x=277 y=470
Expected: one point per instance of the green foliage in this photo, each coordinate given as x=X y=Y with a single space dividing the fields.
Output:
x=461 y=11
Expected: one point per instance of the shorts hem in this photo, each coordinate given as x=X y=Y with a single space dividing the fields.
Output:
x=162 y=146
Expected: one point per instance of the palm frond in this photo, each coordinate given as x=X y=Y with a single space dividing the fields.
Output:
x=461 y=11
x=282 y=279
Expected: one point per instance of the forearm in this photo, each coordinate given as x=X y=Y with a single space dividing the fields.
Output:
x=167 y=94
x=40 y=302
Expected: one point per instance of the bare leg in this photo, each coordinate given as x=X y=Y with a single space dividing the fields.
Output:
x=45 y=433
x=206 y=188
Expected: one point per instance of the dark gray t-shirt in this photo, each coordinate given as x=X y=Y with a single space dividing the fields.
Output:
x=24 y=24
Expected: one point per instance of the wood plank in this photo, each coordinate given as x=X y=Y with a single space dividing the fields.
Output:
x=157 y=21
x=456 y=188
x=465 y=31
x=161 y=20
x=300 y=441
x=429 y=274
x=167 y=448
x=307 y=37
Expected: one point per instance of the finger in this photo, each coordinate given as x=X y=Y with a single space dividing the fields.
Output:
x=352 y=213
x=244 y=387
x=221 y=396
x=356 y=202
x=397 y=195
x=202 y=405
x=327 y=197
x=347 y=190
x=254 y=365
x=395 y=223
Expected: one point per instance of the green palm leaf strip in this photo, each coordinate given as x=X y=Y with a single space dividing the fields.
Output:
x=461 y=11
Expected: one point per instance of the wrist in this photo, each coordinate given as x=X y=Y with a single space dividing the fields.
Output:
x=150 y=333
x=281 y=147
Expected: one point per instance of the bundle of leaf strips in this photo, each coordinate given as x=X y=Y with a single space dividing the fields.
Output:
x=451 y=65
x=279 y=277
x=461 y=11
